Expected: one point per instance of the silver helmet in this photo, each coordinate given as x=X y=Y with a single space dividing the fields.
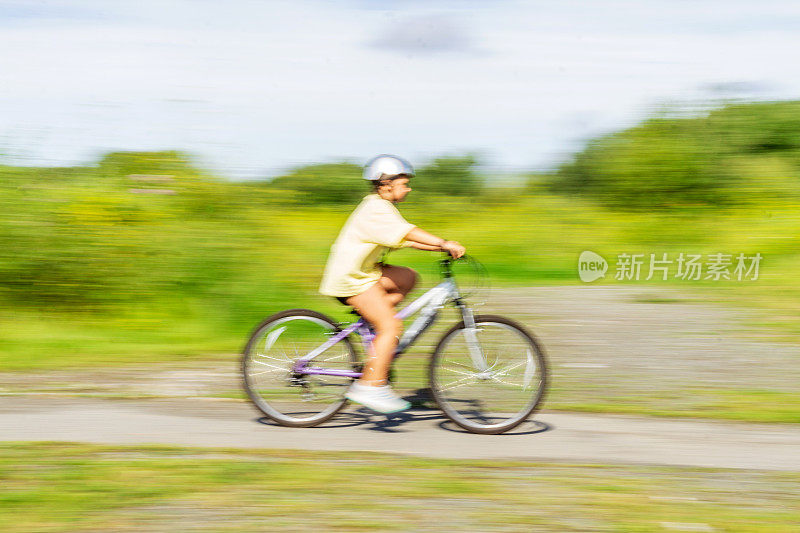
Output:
x=387 y=165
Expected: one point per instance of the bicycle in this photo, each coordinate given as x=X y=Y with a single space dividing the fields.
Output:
x=487 y=373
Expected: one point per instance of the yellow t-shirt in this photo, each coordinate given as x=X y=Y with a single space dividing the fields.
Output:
x=374 y=227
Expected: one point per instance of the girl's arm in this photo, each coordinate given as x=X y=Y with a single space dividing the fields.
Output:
x=422 y=240
x=420 y=236
x=420 y=246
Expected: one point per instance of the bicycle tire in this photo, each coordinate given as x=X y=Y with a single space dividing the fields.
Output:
x=472 y=413
x=281 y=393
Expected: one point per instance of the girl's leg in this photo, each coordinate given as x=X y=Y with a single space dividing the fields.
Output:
x=398 y=282
x=377 y=306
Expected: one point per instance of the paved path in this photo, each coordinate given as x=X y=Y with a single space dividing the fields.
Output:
x=553 y=436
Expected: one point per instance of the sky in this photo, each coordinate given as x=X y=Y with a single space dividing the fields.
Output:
x=253 y=88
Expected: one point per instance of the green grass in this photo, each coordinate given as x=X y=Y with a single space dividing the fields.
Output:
x=68 y=487
x=197 y=287
x=33 y=341
x=740 y=405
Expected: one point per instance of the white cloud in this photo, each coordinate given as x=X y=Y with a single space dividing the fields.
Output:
x=425 y=35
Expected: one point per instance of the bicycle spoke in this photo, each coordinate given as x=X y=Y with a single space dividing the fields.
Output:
x=270 y=366
x=468 y=367
x=264 y=356
x=452 y=385
x=266 y=372
x=459 y=372
x=516 y=385
x=509 y=368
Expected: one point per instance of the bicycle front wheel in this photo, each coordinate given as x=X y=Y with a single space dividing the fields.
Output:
x=288 y=398
x=492 y=389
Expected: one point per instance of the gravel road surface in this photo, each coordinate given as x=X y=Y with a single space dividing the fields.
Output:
x=550 y=436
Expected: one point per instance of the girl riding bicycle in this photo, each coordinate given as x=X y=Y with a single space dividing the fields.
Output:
x=356 y=276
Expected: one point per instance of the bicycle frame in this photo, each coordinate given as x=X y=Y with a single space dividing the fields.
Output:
x=428 y=305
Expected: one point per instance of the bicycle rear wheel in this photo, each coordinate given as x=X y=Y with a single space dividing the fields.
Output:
x=499 y=397
x=288 y=398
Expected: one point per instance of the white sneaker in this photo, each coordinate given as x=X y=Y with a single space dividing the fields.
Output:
x=381 y=399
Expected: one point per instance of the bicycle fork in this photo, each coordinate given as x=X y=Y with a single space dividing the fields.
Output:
x=471 y=337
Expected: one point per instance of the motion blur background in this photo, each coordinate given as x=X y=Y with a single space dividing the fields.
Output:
x=173 y=172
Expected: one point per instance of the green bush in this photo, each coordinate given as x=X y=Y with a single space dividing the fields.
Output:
x=716 y=159
x=449 y=176
x=328 y=183
x=93 y=237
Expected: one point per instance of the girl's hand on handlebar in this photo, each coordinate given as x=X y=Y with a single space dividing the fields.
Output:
x=455 y=249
